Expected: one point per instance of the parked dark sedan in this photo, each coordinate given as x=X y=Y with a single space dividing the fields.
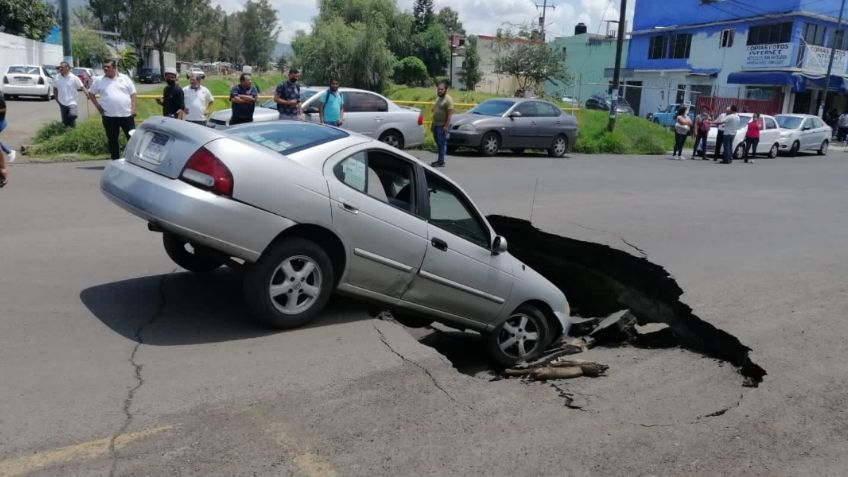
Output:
x=603 y=101
x=514 y=123
x=150 y=75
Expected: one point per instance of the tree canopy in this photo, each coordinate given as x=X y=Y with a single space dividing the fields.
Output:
x=27 y=18
x=532 y=64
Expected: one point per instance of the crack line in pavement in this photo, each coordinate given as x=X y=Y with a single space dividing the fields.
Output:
x=721 y=411
x=404 y=358
x=634 y=247
x=137 y=373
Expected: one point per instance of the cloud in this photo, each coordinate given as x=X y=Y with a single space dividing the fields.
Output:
x=291 y=27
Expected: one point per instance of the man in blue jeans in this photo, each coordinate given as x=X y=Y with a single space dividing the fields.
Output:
x=731 y=125
x=331 y=107
x=442 y=112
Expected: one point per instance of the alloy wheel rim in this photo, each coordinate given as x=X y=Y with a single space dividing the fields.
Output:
x=295 y=285
x=519 y=336
x=491 y=144
x=391 y=140
x=559 y=146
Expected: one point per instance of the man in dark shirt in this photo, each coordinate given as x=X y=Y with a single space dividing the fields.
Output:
x=287 y=97
x=173 y=100
x=243 y=97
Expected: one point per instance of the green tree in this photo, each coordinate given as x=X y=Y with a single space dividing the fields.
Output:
x=127 y=59
x=82 y=16
x=398 y=34
x=432 y=47
x=531 y=64
x=109 y=13
x=169 y=17
x=470 y=74
x=88 y=47
x=410 y=71
x=27 y=18
x=423 y=13
x=259 y=32
x=449 y=20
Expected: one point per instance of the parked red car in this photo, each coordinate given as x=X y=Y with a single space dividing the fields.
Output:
x=84 y=74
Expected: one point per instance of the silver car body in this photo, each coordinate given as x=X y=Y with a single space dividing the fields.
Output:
x=27 y=80
x=517 y=122
x=389 y=247
x=805 y=131
x=366 y=113
x=769 y=136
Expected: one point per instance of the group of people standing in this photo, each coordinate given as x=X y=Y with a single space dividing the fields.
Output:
x=727 y=125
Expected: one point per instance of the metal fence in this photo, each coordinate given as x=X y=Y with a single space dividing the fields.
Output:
x=718 y=104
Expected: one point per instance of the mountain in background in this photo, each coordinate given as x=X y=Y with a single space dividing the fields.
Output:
x=282 y=49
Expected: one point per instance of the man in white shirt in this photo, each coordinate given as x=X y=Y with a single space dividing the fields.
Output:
x=65 y=88
x=720 y=133
x=731 y=126
x=198 y=101
x=117 y=104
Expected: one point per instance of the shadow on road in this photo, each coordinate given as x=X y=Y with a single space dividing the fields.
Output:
x=185 y=308
x=92 y=168
x=504 y=153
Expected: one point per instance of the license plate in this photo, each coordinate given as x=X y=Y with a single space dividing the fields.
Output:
x=22 y=80
x=155 y=147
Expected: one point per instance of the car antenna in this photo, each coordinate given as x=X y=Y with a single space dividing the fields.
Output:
x=533 y=203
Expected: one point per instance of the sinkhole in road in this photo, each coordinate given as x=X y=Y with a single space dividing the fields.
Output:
x=598 y=281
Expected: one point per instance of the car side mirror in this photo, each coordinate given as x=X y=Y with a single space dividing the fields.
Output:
x=806 y=128
x=498 y=245
x=514 y=114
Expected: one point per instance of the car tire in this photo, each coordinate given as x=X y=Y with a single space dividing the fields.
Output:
x=559 y=146
x=773 y=151
x=490 y=144
x=175 y=247
x=525 y=326
x=823 y=149
x=392 y=138
x=739 y=151
x=796 y=146
x=290 y=284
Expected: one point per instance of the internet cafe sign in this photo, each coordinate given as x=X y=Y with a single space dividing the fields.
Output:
x=768 y=56
x=816 y=59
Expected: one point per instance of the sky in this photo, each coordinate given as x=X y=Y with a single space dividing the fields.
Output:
x=479 y=17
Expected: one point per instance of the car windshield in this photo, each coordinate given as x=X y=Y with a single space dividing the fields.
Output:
x=789 y=122
x=492 y=107
x=287 y=137
x=51 y=70
x=27 y=70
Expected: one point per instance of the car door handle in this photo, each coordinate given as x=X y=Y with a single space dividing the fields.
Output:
x=347 y=206
x=439 y=244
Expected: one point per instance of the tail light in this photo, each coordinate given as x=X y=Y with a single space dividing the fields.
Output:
x=40 y=80
x=206 y=171
x=420 y=119
x=5 y=80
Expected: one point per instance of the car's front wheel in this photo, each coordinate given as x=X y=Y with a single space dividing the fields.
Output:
x=491 y=144
x=192 y=259
x=523 y=336
x=392 y=138
x=739 y=152
x=773 y=151
x=559 y=146
x=290 y=284
x=794 y=149
x=823 y=149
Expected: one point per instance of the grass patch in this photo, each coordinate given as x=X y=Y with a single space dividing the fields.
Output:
x=632 y=135
x=88 y=139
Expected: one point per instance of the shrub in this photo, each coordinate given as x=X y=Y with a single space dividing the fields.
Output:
x=49 y=130
x=87 y=138
x=410 y=71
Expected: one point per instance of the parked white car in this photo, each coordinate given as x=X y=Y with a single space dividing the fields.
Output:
x=769 y=136
x=27 y=80
x=803 y=132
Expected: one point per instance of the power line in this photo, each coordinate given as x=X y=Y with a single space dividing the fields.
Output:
x=544 y=6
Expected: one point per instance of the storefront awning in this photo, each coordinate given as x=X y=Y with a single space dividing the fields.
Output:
x=837 y=83
x=704 y=72
x=783 y=78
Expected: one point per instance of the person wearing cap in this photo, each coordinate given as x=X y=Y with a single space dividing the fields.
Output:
x=173 y=100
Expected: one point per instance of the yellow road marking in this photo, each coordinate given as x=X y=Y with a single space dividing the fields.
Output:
x=86 y=450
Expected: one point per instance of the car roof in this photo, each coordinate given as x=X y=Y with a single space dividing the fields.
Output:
x=796 y=115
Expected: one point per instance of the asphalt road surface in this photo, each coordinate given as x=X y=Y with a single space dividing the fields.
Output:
x=113 y=361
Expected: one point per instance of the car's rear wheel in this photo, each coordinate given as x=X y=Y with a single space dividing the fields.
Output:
x=192 y=259
x=739 y=151
x=490 y=144
x=823 y=149
x=773 y=151
x=794 y=149
x=559 y=146
x=523 y=336
x=392 y=138
x=290 y=284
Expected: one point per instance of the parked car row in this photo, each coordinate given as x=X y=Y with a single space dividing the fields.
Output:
x=790 y=133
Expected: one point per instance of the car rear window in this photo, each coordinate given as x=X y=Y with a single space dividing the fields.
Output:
x=27 y=70
x=287 y=137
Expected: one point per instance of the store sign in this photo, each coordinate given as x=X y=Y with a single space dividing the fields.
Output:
x=816 y=59
x=768 y=56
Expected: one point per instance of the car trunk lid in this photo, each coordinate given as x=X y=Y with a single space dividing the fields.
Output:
x=164 y=145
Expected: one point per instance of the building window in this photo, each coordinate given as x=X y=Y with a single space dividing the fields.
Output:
x=814 y=34
x=727 y=38
x=680 y=45
x=767 y=34
x=839 y=40
x=658 y=47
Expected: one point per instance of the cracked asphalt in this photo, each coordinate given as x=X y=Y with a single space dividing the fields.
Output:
x=115 y=363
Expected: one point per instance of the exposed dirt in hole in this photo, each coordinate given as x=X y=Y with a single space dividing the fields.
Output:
x=600 y=280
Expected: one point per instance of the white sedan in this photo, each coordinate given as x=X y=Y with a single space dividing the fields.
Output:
x=803 y=132
x=769 y=136
x=27 y=80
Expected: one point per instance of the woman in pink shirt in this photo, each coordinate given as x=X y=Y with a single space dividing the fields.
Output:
x=752 y=136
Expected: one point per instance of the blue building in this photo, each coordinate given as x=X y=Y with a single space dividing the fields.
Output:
x=773 y=54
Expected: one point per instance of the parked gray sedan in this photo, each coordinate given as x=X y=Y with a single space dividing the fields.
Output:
x=514 y=123
x=305 y=209
x=366 y=112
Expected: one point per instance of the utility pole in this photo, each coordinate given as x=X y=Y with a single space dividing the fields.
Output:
x=66 y=32
x=822 y=102
x=544 y=6
x=616 y=75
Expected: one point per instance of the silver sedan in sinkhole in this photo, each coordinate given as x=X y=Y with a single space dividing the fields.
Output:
x=305 y=210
